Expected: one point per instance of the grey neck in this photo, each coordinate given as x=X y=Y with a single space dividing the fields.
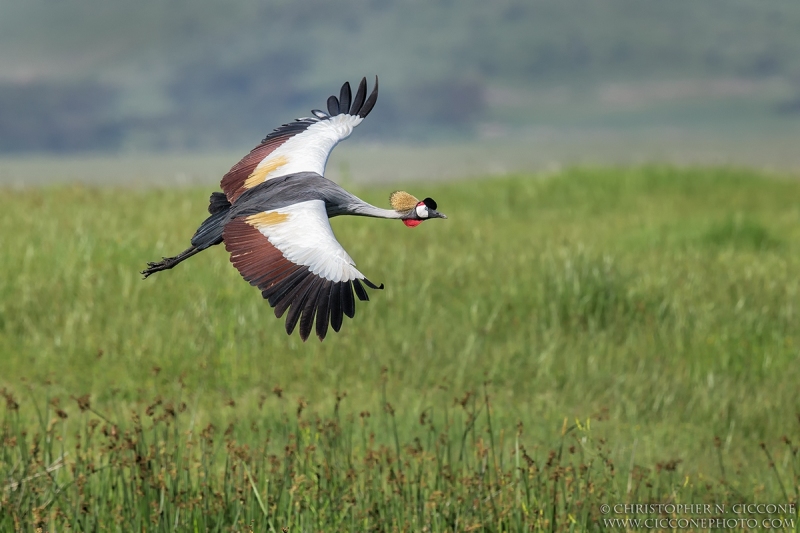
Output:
x=368 y=210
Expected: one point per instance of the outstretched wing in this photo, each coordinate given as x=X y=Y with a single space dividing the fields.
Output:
x=292 y=255
x=302 y=145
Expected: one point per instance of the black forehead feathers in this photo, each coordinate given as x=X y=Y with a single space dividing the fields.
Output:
x=430 y=203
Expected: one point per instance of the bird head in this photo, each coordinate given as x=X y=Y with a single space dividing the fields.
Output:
x=414 y=211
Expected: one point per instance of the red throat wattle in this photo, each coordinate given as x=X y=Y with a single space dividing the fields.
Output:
x=412 y=223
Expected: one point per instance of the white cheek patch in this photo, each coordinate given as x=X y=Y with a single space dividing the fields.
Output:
x=422 y=211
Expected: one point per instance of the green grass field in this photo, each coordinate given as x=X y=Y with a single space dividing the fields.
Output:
x=560 y=342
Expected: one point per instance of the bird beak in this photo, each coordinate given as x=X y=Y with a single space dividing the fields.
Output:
x=432 y=213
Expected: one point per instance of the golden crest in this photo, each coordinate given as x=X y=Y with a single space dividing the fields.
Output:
x=402 y=201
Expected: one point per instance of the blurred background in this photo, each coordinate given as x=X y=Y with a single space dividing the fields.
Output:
x=467 y=88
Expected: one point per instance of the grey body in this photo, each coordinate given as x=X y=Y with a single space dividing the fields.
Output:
x=302 y=187
x=282 y=192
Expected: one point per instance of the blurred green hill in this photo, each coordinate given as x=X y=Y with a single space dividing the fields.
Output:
x=178 y=74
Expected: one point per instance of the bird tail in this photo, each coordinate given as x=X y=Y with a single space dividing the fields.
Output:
x=218 y=202
x=208 y=234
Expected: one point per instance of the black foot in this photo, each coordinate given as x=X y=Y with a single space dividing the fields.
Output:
x=165 y=264
x=169 y=262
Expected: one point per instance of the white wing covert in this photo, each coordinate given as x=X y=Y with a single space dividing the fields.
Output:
x=303 y=145
x=293 y=257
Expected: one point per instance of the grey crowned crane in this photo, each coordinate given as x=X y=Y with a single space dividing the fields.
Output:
x=273 y=211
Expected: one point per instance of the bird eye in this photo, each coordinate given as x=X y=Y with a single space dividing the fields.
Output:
x=422 y=211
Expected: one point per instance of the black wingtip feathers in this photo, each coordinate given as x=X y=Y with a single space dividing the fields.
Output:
x=344 y=98
x=361 y=105
x=361 y=95
x=370 y=103
x=371 y=285
x=333 y=106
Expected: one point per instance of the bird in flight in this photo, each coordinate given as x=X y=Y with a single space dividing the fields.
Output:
x=273 y=211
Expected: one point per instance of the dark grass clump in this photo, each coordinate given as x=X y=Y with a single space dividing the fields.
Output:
x=155 y=469
x=579 y=291
x=740 y=232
